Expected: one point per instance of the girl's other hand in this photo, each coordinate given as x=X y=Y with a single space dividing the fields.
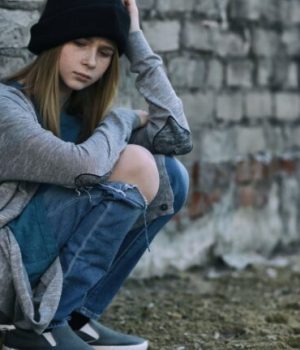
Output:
x=143 y=115
x=134 y=15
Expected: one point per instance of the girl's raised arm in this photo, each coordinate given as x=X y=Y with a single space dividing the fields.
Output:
x=167 y=131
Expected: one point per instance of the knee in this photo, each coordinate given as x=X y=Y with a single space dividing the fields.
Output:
x=179 y=180
x=137 y=166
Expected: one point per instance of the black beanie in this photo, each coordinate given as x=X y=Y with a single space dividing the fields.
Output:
x=66 y=20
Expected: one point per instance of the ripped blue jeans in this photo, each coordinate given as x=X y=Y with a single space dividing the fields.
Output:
x=98 y=246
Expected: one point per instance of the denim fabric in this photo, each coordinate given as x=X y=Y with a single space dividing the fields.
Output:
x=134 y=246
x=90 y=229
x=35 y=237
x=31 y=225
x=97 y=244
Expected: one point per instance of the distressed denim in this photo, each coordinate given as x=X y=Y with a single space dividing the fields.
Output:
x=97 y=243
x=134 y=246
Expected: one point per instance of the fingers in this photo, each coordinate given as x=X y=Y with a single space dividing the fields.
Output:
x=129 y=3
x=133 y=13
x=143 y=115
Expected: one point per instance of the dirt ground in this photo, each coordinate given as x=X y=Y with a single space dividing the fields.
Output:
x=214 y=309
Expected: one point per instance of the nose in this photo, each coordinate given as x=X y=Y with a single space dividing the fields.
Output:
x=89 y=58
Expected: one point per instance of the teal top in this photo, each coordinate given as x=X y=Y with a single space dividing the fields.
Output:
x=30 y=229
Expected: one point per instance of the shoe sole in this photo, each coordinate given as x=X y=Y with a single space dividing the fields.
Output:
x=143 y=346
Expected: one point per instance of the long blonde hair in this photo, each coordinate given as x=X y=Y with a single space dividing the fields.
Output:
x=41 y=82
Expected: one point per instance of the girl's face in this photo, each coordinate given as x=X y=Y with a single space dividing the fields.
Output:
x=84 y=61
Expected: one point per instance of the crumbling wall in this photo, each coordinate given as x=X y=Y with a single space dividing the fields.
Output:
x=235 y=65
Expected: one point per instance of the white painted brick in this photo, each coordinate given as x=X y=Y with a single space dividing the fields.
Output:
x=291 y=41
x=271 y=10
x=285 y=74
x=218 y=145
x=209 y=8
x=287 y=106
x=280 y=73
x=186 y=72
x=162 y=35
x=258 y=104
x=145 y=4
x=290 y=12
x=266 y=42
x=245 y=9
x=292 y=75
x=250 y=141
x=275 y=140
x=9 y=65
x=250 y=9
x=239 y=73
x=175 y=5
x=230 y=106
x=200 y=37
x=254 y=10
x=264 y=72
x=295 y=136
x=230 y=44
x=22 y=4
x=199 y=107
x=15 y=26
x=215 y=74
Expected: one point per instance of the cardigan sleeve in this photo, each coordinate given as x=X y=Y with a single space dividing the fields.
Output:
x=31 y=153
x=167 y=131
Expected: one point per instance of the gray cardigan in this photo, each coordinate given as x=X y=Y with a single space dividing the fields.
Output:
x=31 y=155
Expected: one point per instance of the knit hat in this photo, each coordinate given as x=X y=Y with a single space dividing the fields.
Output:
x=66 y=20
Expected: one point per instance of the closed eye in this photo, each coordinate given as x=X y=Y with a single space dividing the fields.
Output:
x=80 y=42
x=106 y=53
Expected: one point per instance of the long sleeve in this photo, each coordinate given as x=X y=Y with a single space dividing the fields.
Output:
x=31 y=153
x=168 y=131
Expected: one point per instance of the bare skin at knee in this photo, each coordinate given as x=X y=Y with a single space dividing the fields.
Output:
x=137 y=166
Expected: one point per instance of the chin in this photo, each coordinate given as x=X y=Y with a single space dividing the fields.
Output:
x=78 y=86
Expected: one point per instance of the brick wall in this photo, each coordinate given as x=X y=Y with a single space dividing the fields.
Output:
x=235 y=65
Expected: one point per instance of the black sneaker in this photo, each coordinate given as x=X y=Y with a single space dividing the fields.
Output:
x=103 y=338
x=61 y=338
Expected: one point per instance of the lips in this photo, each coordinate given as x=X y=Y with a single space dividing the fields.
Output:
x=82 y=76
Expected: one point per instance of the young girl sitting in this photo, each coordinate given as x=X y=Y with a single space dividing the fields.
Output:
x=84 y=188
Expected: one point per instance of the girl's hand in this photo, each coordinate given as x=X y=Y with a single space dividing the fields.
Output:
x=134 y=15
x=143 y=115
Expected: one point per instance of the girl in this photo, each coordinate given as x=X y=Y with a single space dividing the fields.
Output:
x=83 y=189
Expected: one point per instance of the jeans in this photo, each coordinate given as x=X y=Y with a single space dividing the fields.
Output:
x=98 y=246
